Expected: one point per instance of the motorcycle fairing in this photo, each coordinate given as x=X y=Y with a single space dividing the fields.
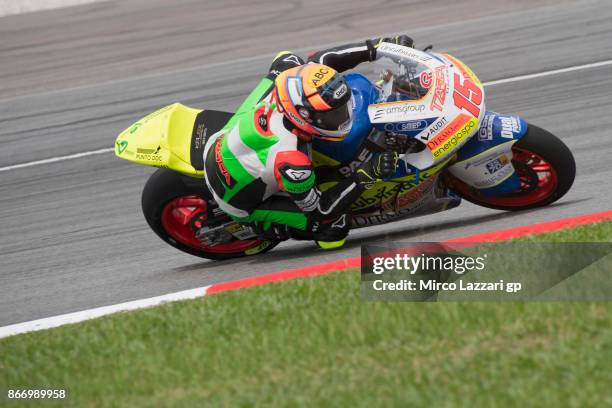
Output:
x=397 y=193
x=207 y=123
x=444 y=118
x=429 y=197
x=409 y=191
x=161 y=139
x=485 y=161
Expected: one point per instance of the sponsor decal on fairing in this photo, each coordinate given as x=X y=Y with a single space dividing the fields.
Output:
x=487 y=169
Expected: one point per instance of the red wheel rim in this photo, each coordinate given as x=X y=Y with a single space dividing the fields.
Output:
x=538 y=181
x=179 y=217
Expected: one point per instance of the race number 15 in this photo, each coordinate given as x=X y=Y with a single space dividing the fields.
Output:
x=467 y=95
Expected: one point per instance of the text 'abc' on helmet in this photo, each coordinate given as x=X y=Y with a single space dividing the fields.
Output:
x=316 y=99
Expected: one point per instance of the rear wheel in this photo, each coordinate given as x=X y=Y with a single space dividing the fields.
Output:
x=176 y=206
x=546 y=169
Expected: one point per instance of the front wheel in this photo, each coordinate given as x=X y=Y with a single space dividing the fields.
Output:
x=546 y=169
x=175 y=206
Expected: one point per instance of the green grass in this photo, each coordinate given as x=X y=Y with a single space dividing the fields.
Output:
x=312 y=342
x=597 y=232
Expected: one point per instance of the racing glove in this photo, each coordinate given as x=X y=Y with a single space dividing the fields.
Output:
x=348 y=56
x=398 y=39
x=380 y=166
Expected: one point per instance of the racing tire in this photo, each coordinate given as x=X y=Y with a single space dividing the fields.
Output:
x=545 y=166
x=173 y=204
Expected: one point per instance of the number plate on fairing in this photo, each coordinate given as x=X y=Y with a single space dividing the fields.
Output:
x=432 y=97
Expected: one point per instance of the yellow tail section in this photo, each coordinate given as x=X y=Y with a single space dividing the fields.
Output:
x=161 y=139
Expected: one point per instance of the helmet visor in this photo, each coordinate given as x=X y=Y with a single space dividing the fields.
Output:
x=334 y=119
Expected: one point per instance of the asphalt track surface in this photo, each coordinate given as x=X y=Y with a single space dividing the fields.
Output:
x=72 y=235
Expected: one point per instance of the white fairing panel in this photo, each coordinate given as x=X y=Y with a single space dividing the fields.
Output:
x=487 y=169
x=445 y=111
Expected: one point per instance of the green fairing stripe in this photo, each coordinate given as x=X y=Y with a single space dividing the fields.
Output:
x=236 y=170
x=297 y=187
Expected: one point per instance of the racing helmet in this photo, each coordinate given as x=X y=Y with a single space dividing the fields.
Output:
x=317 y=100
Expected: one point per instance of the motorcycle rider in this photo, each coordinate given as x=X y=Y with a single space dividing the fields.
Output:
x=265 y=148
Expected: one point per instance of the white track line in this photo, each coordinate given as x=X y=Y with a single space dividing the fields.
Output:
x=12 y=7
x=57 y=159
x=490 y=83
x=76 y=317
x=547 y=73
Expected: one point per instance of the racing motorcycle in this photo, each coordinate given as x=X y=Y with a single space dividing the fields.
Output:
x=428 y=107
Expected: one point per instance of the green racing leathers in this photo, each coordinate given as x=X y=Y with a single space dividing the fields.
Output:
x=259 y=154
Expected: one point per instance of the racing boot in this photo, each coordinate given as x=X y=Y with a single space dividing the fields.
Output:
x=331 y=234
